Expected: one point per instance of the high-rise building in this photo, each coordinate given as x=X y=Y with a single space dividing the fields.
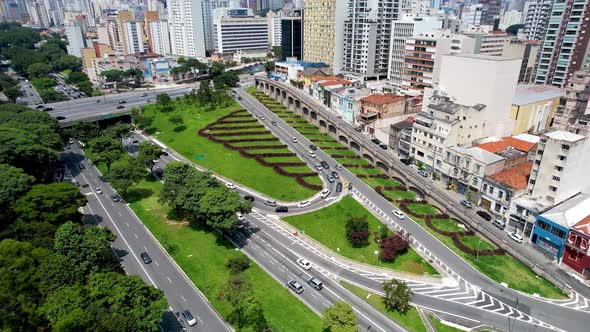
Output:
x=186 y=24
x=528 y=52
x=149 y=17
x=490 y=43
x=291 y=37
x=564 y=49
x=575 y=102
x=490 y=11
x=160 y=37
x=472 y=15
x=510 y=18
x=275 y=30
x=323 y=32
x=209 y=7
x=367 y=33
x=38 y=13
x=76 y=40
x=536 y=14
x=244 y=34
x=122 y=17
x=13 y=10
x=402 y=29
x=135 y=41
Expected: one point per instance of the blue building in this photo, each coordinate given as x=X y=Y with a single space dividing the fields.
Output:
x=552 y=227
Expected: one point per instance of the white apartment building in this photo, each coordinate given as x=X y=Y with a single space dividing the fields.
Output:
x=472 y=15
x=276 y=35
x=246 y=34
x=409 y=25
x=38 y=13
x=186 y=24
x=160 y=37
x=135 y=42
x=535 y=18
x=472 y=79
x=367 y=34
x=423 y=54
x=510 y=18
x=76 y=40
x=490 y=43
x=209 y=7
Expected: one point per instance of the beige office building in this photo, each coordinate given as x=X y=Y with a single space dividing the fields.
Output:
x=323 y=31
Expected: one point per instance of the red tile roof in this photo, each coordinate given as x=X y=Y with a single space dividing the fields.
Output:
x=583 y=225
x=516 y=177
x=381 y=99
x=337 y=82
x=316 y=78
x=505 y=142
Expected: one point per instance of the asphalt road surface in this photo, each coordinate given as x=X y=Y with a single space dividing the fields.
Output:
x=133 y=238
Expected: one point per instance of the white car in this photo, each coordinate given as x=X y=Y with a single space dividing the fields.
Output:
x=400 y=215
x=326 y=192
x=516 y=237
x=190 y=319
x=98 y=190
x=303 y=204
x=311 y=154
x=240 y=216
x=262 y=118
x=294 y=139
x=230 y=186
x=304 y=263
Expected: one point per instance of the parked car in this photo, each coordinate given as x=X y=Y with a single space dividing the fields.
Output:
x=315 y=283
x=516 y=237
x=230 y=186
x=303 y=204
x=304 y=263
x=295 y=286
x=146 y=258
x=313 y=147
x=249 y=198
x=311 y=154
x=405 y=161
x=190 y=319
x=325 y=164
x=383 y=146
x=400 y=215
x=326 y=192
x=376 y=141
x=339 y=187
x=484 y=215
x=424 y=173
x=240 y=216
x=467 y=204
x=282 y=209
x=499 y=223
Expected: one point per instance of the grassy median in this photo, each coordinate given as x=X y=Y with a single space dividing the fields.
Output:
x=202 y=255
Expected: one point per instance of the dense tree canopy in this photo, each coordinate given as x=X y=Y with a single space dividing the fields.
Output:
x=55 y=203
x=340 y=318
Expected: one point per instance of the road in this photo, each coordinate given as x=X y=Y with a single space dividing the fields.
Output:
x=505 y=301
x=133 y=238
x=106 y=105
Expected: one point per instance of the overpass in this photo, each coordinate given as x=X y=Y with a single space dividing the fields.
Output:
x=105 y=107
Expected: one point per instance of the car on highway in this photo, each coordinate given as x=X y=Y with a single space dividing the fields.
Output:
x=49 y=108
x=115 y=197
x=376 y=141
x=60 y=117
x=400 y=215
x=122 y=102
x=190 y=319
x=249 y=198
x=164 y=153
x=466 y=203
x=269 y=202
x=144 y=95
x=383 y=146
x=405 y=161
x=146 y=258
x=331 y=179
x=262 y=118
x=318 y=166
x=516 y=237
x=295 y=286
x=313 y=147
x=294 y=139
x=326 y=192
x=120 y=107
x=304 y=263
x=424 y=173
x=325 y=164
x=98 y=190
x=274 y=123
x=315 y=283
x=311 y=154
x=335 y=175
x=40 y=107
x=339 y=187
x=484 y=215
x=230 y=186
x=282 y=209
x=303 y=204
x=338 y=167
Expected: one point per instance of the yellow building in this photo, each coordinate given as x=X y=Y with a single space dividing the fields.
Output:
x=323 y=28
x=533 y=107
x=122 y=17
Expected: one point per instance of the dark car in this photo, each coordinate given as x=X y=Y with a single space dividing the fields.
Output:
x=81 y=166
x=376 y=141
x=383 y=146
x=405 y=161
x=122 y=102
x=249 y=198
x=120 y=107
x=164 y=153
x=339 y=186
x=484 y=215
x=325 y=164
x=146 y=258
x=282 y=209
x=115 y=197
x=40 y=107
x=85 y=185
x=60 y=117
x=273 y=123
x=335 y=175
x=313 y=147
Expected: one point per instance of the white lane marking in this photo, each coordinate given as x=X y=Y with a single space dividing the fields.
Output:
x=156 y=263
x=127 y=224
x=137 y=237
x=170 y=281
x=182 y=297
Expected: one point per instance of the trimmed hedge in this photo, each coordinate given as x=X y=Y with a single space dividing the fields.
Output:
x=237 y=127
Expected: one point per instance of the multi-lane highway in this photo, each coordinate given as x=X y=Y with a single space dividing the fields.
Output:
x=133 y=238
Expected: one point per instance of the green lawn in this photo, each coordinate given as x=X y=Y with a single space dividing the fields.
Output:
x=216 y=157
x=410 y=320
x=473 y=241
x=448 y=225
x=327 y=226
x=440 y=327
x=423 y=208
x=202 y=255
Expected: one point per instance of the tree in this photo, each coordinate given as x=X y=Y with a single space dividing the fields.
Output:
x=70 y=62
x=55 y=203
x=38 y=70
x=163 y=99
x=118 y=131
x=277 y=51
x=218 y=207
x=83 y=131
x=238 y=292
x=12 y=93
x=176 y=174
x=141 y=120
x=112 y=75
x=62 y=302
x=339 y=318
x=513 y=29
x=216 y=68
x=76 y=77
x=105 y=150
x=148 y=152
x=14 y=183
x=43 y=83
x=397 y=295
x=194 y=187
x=176 y=119
x=126 y=175
x=269 y=66
x=357 y=230
x=238 y=264
x=204 y=95
x=391 y=246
